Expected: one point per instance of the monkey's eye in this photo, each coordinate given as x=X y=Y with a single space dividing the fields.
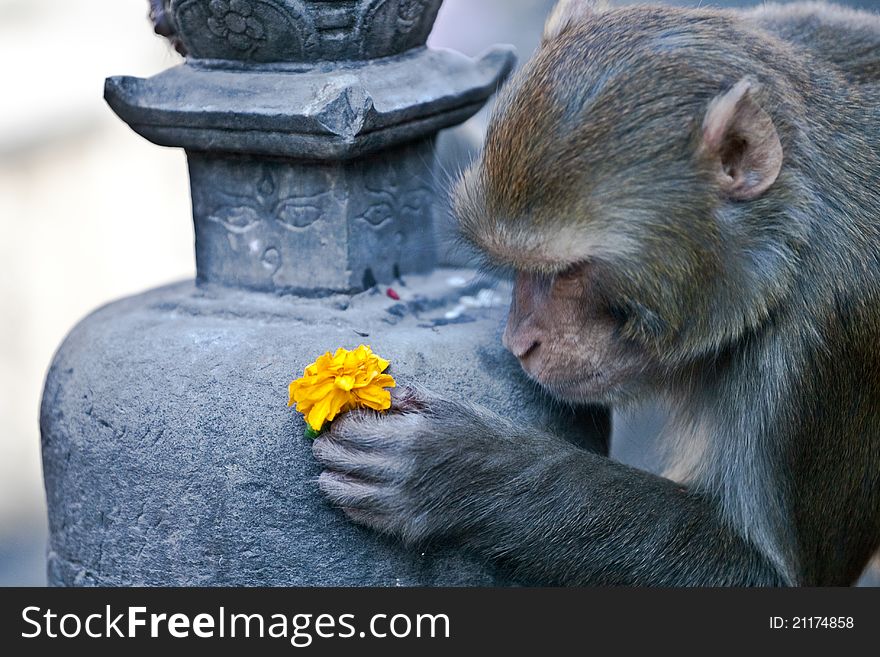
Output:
x=573 y=273
x=618 y=313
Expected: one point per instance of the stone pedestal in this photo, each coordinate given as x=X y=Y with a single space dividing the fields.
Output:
x=169 y=453
x=171 y=457
x=283 y=226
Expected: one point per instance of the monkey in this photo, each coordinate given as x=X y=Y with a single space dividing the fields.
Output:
x=688 y=200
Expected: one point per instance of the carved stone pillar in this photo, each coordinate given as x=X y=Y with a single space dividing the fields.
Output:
x=169 y=453
x=309 y=128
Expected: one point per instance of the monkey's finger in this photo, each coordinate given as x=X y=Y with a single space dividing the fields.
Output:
x=342 y=459
x=375 y=432
x=349 y=492
x=357 y=429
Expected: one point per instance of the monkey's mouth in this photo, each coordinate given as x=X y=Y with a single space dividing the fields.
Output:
x=587 y=387
x=607 y=383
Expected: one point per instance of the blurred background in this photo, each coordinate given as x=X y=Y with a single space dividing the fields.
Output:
x=91 y=212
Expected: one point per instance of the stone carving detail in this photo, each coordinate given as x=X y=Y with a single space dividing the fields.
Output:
x=243 y=211
x=389 y=203
x=271 y=259
x=302 y=30
x=284 y=225
x=234 y=21
x=236 y=219
x=392 y=216
x=293 y=214
x=384 y=23
x=252 y=30
x=410 y=11
x=270 y=225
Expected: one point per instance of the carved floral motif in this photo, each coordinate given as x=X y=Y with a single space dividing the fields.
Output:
x=301 y=30
x=234 y=21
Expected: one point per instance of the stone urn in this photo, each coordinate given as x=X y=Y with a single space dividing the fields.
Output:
x=170 y=455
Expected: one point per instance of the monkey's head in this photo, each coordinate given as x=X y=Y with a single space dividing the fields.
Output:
x=634 y=177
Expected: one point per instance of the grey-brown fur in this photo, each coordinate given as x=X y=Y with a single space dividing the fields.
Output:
x=845 y=37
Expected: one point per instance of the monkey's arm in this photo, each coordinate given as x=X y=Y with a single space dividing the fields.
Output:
x=847 y=38
x=550 y=512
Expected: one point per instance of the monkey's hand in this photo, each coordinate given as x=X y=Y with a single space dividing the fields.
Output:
x=435 y=470
x=428 y=469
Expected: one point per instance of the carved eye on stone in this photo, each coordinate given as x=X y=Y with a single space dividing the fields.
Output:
x=292 y=215
x=236 y=220
x=378 y=214
x=413 y=201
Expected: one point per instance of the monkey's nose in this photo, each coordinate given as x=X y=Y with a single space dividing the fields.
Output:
x=528 y=352
x=520 y=345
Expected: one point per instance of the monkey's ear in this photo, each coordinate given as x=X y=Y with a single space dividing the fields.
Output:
x=567 y=12
x=741 y=141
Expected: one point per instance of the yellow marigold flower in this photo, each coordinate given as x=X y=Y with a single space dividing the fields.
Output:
x=340 y=382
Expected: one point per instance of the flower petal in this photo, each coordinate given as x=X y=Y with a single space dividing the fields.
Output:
x=345 y=382
x=339 y=402
x=318 y=415
x=385 y=381
x=338 y=382
x=314 y=393
x=374 y=397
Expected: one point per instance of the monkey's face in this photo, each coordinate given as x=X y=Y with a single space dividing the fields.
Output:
x=567 y=338
x=630 y=175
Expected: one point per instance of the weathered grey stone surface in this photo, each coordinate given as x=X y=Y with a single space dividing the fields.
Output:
x=289 y=226
x=310 y=177
x=171 y=458
x=302 y=30
x=309 y=111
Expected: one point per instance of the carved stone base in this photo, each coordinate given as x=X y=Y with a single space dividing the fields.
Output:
x=315 y=111
x=171 y=458
x=286 y=226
